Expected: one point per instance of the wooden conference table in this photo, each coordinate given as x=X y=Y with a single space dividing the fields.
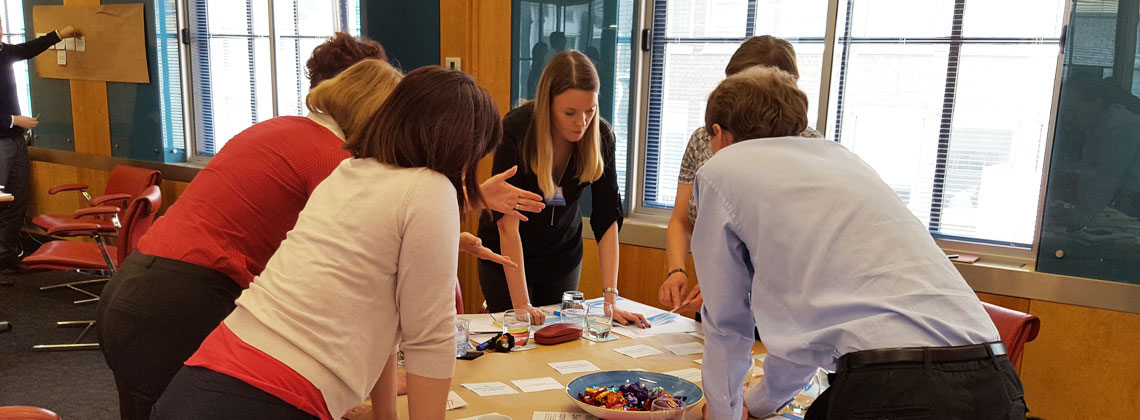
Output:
x=505 y=367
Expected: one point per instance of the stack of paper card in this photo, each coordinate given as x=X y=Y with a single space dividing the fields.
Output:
x=537 y=384
x=574 y=366
x=686 y=348
x=638 y=351
x=454 y=401
x=486 y=389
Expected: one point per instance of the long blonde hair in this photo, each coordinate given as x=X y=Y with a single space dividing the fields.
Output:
x=568 y=69
x=353 y=96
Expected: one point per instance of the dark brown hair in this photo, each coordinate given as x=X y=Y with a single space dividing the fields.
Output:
x=764 y=50
x=437 y=119
x=338 y=53
x=756 y=103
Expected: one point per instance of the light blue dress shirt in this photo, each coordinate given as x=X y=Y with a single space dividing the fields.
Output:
x=800 y=239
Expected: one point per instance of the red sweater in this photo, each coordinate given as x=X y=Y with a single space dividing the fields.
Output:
x=235 y=213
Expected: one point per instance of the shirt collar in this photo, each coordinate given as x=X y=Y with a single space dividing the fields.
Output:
x=327 y=122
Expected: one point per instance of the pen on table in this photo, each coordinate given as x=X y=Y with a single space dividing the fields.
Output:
x=682 y=305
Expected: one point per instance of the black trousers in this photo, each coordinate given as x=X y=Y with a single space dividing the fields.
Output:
x=199 y=393
x=15 y=172
x=152 y=316
x=969 y=390
x=542 y=290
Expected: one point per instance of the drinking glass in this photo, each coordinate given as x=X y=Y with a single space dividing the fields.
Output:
x=806 y=396
x=599 y=321
x=666 y=408
x=462 y=335
x=573 y=310
x=518 y=325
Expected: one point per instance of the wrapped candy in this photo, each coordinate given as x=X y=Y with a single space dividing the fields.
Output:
x=629 y=397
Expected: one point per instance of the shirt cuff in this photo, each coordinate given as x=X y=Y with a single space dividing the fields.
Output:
x=758 y=403
x=12 y=122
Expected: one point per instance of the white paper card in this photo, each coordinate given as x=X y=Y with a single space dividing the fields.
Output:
x=454 y=401
x=537 y=384
x=61 y=57
x=59 y=45
x=69 y=44
x=481 y=415
x=761 y=357
x=81 y=43
x=638 y=351
x=687 y=348
x=697 y=361
x=551 y=415
x=574 y=366
x=485 y=389
x=482 y=324
x=689 y=374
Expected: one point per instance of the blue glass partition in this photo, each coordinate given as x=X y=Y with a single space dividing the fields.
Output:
x=601 y=29
x=1090 y=227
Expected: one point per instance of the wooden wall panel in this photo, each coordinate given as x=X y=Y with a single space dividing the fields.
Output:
x=480 y=35
x=89 y=112
x=46 y=175
x=1083 y=364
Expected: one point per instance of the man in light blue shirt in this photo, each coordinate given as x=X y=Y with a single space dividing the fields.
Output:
x=802 y=240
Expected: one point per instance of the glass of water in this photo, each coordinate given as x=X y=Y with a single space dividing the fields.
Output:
x=573 y=308
x=599 y=320
x=462 y=336
x=518 y=326
x=666 y=408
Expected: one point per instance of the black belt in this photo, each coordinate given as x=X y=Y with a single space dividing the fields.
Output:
x=920 y=354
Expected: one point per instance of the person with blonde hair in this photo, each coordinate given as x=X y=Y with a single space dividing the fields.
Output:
x=196 y=259
x=762 y=50
x=561 y=146
x=801 y=241
x=369 y=265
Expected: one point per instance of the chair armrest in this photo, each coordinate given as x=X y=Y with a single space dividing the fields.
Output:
x=98 y=201
x=97 y=211
x=74 y=229
x=67 y=187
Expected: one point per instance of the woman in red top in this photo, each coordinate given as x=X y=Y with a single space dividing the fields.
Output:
x=195 y=261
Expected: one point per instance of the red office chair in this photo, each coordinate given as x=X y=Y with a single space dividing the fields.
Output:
x=458 y=298
x=1015 y=328
x=21 y=412
x=72 y=255
x=124 y=184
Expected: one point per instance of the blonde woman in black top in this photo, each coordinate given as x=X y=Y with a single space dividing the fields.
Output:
x=561 y=146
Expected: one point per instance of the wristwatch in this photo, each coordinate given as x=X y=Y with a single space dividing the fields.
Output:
x=609 y=290
x=675 y=271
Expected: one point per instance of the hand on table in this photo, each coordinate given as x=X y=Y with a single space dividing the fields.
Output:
x=69 y=32
x=624 y=317
x=537 y=317
x=471 y=244
x=505 y=198
x=25 y=122
x=672 y=293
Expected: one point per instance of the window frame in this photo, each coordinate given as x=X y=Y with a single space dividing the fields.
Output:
x=189 y=72
x=643 y=68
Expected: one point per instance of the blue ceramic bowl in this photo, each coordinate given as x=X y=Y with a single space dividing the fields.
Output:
x=672 y=384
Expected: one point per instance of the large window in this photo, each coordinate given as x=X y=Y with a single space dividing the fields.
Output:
x=948 y=100
x=692 y=43
x=13 y=21
x=247 y=60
